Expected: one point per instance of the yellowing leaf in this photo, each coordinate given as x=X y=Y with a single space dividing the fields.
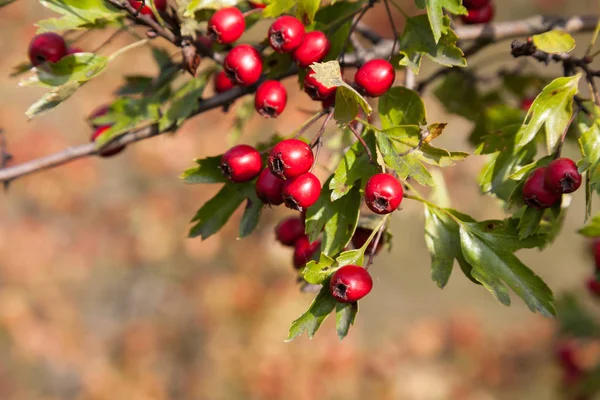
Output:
x=554 y=42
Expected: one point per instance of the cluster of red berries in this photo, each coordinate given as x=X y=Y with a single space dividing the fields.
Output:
x=544 y=187
x=572 y=372
x=49 y=47
x=479 y=12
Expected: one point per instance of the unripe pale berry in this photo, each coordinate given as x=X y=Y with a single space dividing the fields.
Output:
x=243 y=65
x=350 y=283
x=241 y=163
x=375 y=77
x=222 y=82
x=290 y=158
x=479 y=16
x=535 y=193
x=268 y=188
x=562 y=176
x=270 y=99
x=301 y=192
x=286 y=34
x=161 y=5
x=313 y=48
x=289 y=231
x=105 y=153
x=226 y=25
x=383 y=193
x=304 y=251
x=47 y=47
x=315 y=89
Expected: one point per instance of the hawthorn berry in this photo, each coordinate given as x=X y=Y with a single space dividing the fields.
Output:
x=593 y=286
x=243 y=65
x=222 y=82
x=255 y=5
x=290 y=158
x=315 y=89
x=301 y=192
x=286 y=34
x=268 y=188
x=161 y=5
x=289 y=231
x=304 y=251
x=475 y=4
x=383 y=193
x=350 y=283
x=328 y=102
x=562 y=176
x=360 y=237
x=99 y=112
x=375 y=77
x=481 y=15
x=45 y=47
x=105 y=153
x=270 y=99
x=313 y=48
x=204 y=41
x=241 y=163
x=226 y=25
x=535 y=193
x=526 y=103
x=596 y=250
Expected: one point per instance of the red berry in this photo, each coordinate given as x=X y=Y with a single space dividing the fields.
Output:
x=289 y=231
x=475 y=4
x=301 y=192
x=161 y=5
x=596 y=250
x=535 y=193
x=74 y=50
x=479 y=16
x=205 y=41
x=243 y=65
x=350 y=283
x=315 y=89
x=375 y=77
x=226 y=25
x=593 y=286
x=48 y=46
x=526 y=103
x=360 y=237
x=270 y=99
x=562 y=176
x=304 y=251
x=268 y=188
x=285 y=34
x=222 y=82
x=105 y=153
x=383 y=193
x=256 y=5
x=314 y=48
x=241 y=163
x=290 y=158
x=99 y=112
x=328 y=102
x=565 y=353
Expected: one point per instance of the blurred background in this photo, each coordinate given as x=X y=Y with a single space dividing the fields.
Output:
x=102 y=296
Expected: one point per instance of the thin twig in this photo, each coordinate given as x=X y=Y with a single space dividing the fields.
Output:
x=309 y=123
x=362 y=141
x=393 y=25
x=322 y=129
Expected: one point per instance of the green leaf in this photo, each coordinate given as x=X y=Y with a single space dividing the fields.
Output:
x=551 y=109
x=574 y=319
x=184 y=103
x=592 y=229
x=435 y=13
x=522 y=85
x=80 y=14
x=251 y=215
x=6 y=2
x=198 y=5
x=306 y=10
x=351 y=257
x=207 y=171
x=135 y=84
x=51 y=99
x=312 y=319
x=443 y=243
x=554 y=42
x=278 y=7
x=316 y=272
x=79 y=67
x=345 y=314
x=405 y=166
x=419 y=40
x=401 y=106
x=327 y=21
x=589 y=143
x=459 y=94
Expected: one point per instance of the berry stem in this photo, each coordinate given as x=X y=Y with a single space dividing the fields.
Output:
x=317 y=137
x=375 y=237
x=309 y=123
x=362 y=141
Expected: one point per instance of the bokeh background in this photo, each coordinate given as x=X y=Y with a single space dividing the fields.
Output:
x=102 y=296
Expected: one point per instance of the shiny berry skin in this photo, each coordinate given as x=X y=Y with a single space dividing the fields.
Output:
x=226 y=25
x=350 y=283
x=289 y=231
x=290 y=158
x=360 y=237
x=375 y=77
x=270 y=99
x=479 y=16
x=301 y=192
x=222 y=82
x=161 y=5
x=243 y=65
x=48 y=46
x=286 y=34
x=254 y=5
x=593 y=286
x=268 y=188
x=562 y=176
x=475 y=4
x=97 y=113
x=383 y=193
x=328 y=102
x=105 y=153
x=304 y=251
x=241 y=163
x=535 y=193
x=314 y=48
x=315 y=89
x=526 y=103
